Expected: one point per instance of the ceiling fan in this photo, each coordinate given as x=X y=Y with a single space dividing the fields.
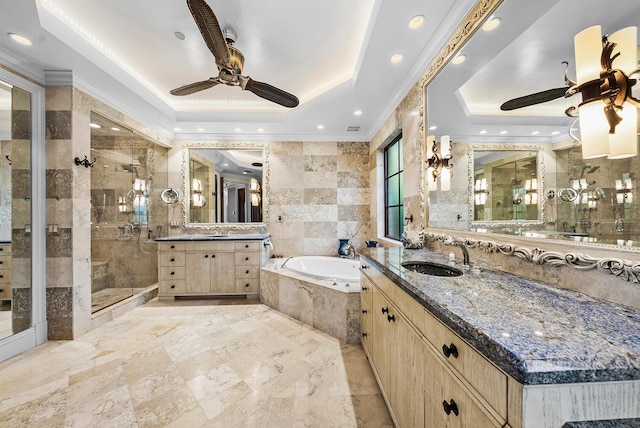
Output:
x=229 y=60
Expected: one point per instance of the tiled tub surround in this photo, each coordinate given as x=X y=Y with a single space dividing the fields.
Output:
x=330 y=306
x=569 y=353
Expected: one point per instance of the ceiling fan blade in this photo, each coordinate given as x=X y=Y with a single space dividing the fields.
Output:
x=269 y=92
x=532 y=99
x=195 y=87
x=210 y=29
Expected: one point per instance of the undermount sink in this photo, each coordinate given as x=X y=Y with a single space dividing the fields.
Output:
x=431 y=268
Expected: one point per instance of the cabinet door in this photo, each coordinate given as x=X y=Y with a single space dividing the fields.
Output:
x=223 y=272
x=198 y=272
x=382 y=346
x=407 y=379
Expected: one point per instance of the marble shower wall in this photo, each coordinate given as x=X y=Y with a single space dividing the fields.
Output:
x=319 y=192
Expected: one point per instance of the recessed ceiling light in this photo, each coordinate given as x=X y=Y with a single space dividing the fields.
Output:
x=238 y=130
x=484 y=131
x=260 y=130
x=95 y=125
x=503 y=132
x=492 y=23
x=396 y=58
x=200 y=129
x=416 y=22
x=177 y=129
x=320 y=126
x=459 y=59
x=433 y=128
x=555 y=132
x=115 y=129
x=357 y=112
x=179 y=35
x=20 y=39
x=535 y=133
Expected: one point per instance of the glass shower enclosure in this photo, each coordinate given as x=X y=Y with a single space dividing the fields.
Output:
x=126 y=211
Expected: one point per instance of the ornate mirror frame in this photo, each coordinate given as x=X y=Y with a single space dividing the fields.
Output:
x=220 y=227
x=542 y=200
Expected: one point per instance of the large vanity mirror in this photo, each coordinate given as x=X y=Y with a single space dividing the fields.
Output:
x=224 y=184
x=526 y=173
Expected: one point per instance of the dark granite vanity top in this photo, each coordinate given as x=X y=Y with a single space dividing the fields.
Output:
x=611 y=423
x=537 y=333
x=238 y=237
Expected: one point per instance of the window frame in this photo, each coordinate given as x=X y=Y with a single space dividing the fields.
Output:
x=397 y=140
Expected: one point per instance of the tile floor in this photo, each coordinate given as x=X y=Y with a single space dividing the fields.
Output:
x=193 y=364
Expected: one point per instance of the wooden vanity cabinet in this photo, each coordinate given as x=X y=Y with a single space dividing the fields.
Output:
x=209 y=268
x=421 y=385
x=5 y=273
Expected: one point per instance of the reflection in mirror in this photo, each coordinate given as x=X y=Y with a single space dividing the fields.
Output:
x=225 y=185
x=505 y=186
x=15 y=208
x=584 y=200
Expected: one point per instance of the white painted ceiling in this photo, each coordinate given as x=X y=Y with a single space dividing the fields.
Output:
x=522 y=56
x=332 y=54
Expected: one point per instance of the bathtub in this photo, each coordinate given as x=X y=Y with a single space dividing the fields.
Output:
x=322 y=292
x=323 y=267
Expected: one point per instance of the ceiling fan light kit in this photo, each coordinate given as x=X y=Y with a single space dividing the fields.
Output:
x=229 y=60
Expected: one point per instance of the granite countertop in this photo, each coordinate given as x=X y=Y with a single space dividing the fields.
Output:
x=535 y=332
x=238 y=237
x=611 y=423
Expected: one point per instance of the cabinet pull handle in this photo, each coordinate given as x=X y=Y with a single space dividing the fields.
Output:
x=1 y=262
x=364 y=334
x=450 y=350
x=246 y=285
x=450 y=407
x=246 y=258
x=364 y=267
x=206 y=256
x=213 y=256
x=385 y=310
x=1 y=290
x=172 y=260
x=391 y=318
x=364 y=311
x=173 y=286
x=246 y=271
x=246 y=245
x=172 y=247
x=173 y=273
x=364 y=288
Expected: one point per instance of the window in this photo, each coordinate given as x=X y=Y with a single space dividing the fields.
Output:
x=393 y=190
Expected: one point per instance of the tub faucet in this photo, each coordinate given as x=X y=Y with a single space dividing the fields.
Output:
x=350 y=250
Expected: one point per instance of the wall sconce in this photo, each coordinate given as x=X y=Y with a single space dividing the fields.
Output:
x=254 y=190
x=122 y=205
x=196 y=192
x=439 y=165
x=480 y=191
x=531 y=192
x=624 y=193
x=608 y=111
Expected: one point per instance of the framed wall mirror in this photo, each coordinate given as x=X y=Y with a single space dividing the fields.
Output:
x=506 y=184
x=590 y=201
x=224 y=184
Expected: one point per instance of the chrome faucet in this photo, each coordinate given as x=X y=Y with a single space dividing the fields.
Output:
x=350 y=250
x=463 y=248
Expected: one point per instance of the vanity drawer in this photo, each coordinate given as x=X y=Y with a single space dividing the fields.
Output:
x=248 y=259
x=248 y=246
x=378 y=278
x=211 y=246
x=5 y=276
x=248 y=285
x=171 y=246
x=172 y=272
x=5 y=291
x=5 y=261
x=5 y=249
x=171 y=259
x=171 y=287
x=481 y=374
x=247 y=272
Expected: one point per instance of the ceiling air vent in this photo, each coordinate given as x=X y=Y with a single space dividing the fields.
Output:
x=353 y=128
